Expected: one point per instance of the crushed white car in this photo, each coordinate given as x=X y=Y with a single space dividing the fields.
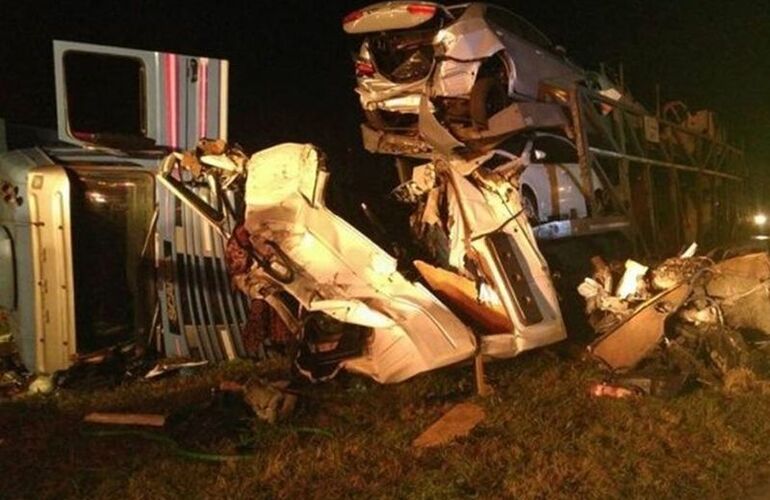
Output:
x=488 y=289
x=461 y=63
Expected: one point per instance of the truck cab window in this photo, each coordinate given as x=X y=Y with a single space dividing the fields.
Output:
x=105 y=94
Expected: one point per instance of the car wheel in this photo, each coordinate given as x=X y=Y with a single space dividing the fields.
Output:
x=529 y=204
x=488 y=96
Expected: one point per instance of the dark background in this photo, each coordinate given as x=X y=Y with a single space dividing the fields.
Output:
x=291 y=76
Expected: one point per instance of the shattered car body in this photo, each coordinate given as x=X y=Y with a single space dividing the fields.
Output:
x=463 y=64
x=707 y=322
x=450 y=79
x=308 y=259
x=339 y=272
x=341 y=299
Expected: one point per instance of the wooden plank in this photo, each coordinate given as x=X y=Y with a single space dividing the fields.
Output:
x=147 y=419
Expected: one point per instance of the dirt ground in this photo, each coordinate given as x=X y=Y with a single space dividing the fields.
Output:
x=543 y=436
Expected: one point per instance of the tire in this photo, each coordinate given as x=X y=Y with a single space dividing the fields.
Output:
x=488 y=96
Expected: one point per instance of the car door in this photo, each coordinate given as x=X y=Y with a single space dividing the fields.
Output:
x=130 y=102
x=530 y=50
x=138 y=99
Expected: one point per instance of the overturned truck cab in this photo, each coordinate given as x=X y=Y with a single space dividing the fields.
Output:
x=93 y=253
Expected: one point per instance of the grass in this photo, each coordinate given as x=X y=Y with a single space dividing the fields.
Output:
x=543 y=437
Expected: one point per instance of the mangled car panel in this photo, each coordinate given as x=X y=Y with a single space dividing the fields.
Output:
x=339 y=272
x=335 y=289
x=689 y=319
x=466 y=62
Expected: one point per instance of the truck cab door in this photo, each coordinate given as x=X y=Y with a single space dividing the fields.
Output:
x=141 y=104
x=133 y=100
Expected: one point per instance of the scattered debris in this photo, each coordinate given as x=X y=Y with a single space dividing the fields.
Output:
x=457 y=422
x=42 y=384
x=146 y=419
x=603 y=390
x=14 y=379
x=173 y=366
x=677 y=270
x=169 y=442
x=625 y=346
x=709 y=323
x=630 y=282
x=271 y=402
x=105 y=368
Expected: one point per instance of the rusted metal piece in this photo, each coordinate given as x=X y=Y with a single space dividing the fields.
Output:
x=651 y=161
x=581 y=144
x=637 y=336
x=649 y=189
x=516 y=118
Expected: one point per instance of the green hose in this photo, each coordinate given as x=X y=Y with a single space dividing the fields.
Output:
x=195 y=455
x=158 y=438
x=312 y=430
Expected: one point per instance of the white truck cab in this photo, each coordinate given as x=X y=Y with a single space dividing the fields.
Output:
x=86 y=227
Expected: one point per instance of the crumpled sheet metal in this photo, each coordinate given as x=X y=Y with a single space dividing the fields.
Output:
x=733 y=292
x=742 y=286
x=755 y=265
x=469 y=219
x=481 y=209
x=337 y=266
x=639 y=334
x=434 y=132
x=677 y=270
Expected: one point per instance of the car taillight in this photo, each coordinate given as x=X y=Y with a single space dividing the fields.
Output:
x=84 y=136
x=356 y=14
x=421 y=9
x=364 y=68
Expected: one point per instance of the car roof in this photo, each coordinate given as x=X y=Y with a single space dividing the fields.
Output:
x=487 y=5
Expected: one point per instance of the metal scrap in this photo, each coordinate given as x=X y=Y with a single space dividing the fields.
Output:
x=677 y=270
x=635 y=338
x=270 y=402
x=710 y=324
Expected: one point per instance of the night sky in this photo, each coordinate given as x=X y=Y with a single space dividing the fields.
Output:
x=291 y=74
